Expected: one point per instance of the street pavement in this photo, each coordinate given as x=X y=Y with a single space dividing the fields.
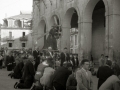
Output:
x=6 y=83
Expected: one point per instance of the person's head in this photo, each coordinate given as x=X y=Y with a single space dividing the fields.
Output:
x=106 y=57
x=65 y=49
x=49 y=48
x=36 y=48
x=102 y=62
x=75 y=69
x=50 y=62
x=10 y=53
x=85 y=64
x=71 y=55
x=109 y=63
x=24 y=59
x=102 y=55
x=69 y=66
x=31 y=58
x=65 y=64
x=116 y=69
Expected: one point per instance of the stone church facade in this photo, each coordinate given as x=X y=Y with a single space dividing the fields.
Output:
x=97 y=23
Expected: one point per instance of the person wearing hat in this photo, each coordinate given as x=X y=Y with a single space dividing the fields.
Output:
x=61 y=75
x=28 y=74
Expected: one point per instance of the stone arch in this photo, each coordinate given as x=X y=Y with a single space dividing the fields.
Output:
x=66 y=26
x=69 y=11
x=88 y=10
x=42 y=29
x=68 y=16
x=86 y=37
x=55 y=13
x=52 y=20
x=45 y=20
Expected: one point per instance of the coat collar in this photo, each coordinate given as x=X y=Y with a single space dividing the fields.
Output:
x=84 y=73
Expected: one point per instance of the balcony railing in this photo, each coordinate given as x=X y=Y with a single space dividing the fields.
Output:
x=9 y=38
x=24 y=38
x=73 y=31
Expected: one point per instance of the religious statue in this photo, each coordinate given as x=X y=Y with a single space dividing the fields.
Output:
x=51 y=41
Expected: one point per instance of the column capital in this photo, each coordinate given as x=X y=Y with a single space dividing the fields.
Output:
x=66 y=27
x=84 y=21
x=114 y=14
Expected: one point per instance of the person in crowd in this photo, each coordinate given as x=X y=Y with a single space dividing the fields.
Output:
x=28 y=74
x=101 y=58
x=10 y=61
x=84 y=77
x=112 y=80
x=18 y=70
x=39 y=73
x=5 y=53
x=18 y=58
x=71 y=81
x=36 y=55
x=61 y=75
x=49 y=52
x=46 y=79
x=104 y=72
x=75 y=60
x=1 y=60
x=71 y=60
x=64 y=56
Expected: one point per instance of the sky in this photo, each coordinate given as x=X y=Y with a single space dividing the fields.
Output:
x=13 y=7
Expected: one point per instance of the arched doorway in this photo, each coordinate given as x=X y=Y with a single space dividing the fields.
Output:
x=70 y=30
x=41 y=39
x=54 y=20
x=93 y=29
x=98 y=30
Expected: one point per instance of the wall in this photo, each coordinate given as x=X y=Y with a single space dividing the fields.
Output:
x=84 y=9
x=98 y=33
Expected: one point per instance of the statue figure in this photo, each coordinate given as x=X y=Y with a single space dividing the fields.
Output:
x=52 y=38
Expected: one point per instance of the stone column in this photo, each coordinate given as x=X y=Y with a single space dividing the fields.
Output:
x=65 y=39
x=85 y=35
x=114 y=34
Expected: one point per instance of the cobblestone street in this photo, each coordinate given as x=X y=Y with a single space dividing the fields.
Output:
x=6 y=83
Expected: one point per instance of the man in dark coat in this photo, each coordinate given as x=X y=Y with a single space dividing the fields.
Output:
x=17 y=72
x=75 y=60
x=28 y=75
x=36 y=55
x=61 y=75
x=64 y=56
x=104 y=72
x=10 y=61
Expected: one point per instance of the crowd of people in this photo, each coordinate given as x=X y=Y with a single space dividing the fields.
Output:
x=52 y=70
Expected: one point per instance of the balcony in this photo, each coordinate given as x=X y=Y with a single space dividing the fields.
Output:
x=73 y=31
x=10 y=38
x=23 y=38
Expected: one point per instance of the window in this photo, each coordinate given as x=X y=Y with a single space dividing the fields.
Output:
x=23 y=44
x=23 y=34
x=10 y=44
x=75 y=39
x=10 y=35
